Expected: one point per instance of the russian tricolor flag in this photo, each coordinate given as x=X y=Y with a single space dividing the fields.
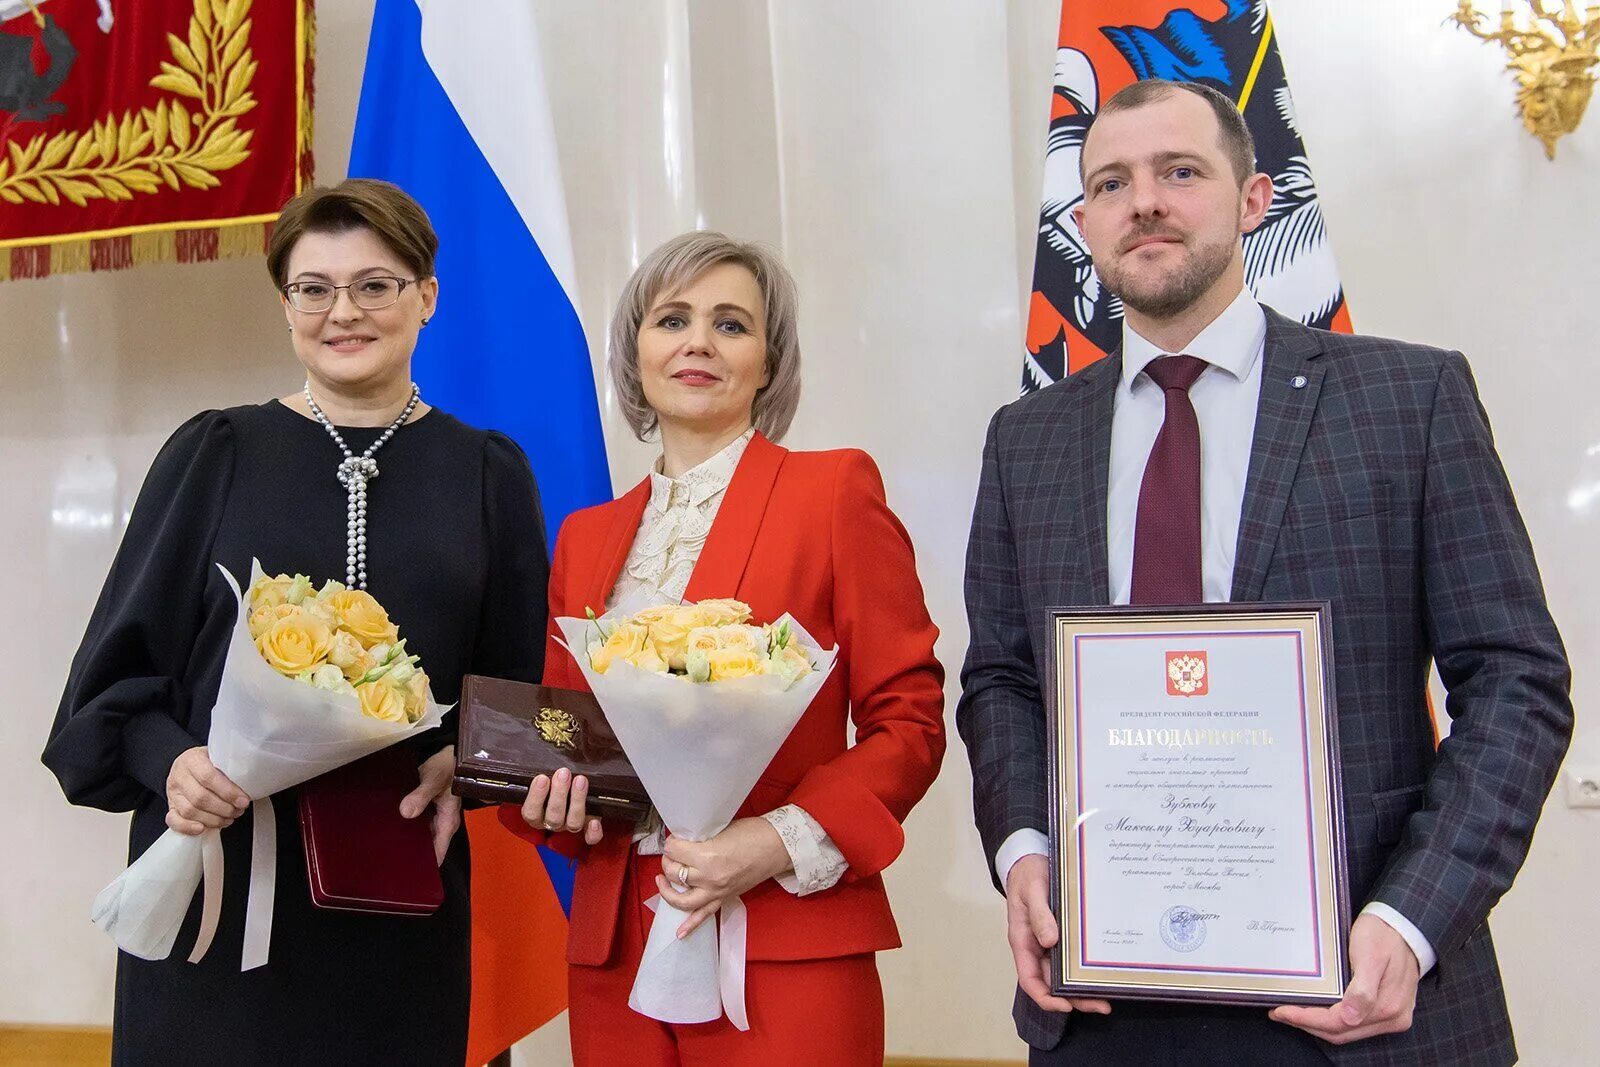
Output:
x=453 y=110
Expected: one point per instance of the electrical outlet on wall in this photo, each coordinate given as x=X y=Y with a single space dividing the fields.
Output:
x=1583 y=787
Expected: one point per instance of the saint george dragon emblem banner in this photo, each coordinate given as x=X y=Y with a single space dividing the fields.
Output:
x=141 y=131
x=1231 y=46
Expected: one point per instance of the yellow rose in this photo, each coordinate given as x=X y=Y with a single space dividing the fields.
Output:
x=671 y=634
x=360 y=614
x=295 y=643
x=381 y=701
x=360 y=667
x=724 y=611
x=703 y=639
x=261 y=617
x=733 y=663
x=651 y=616
x=744 y=638
x=648 y=659
x=349 y=656
x=346 y=649
x=273 y=613
x=273 y=591
x=627 y=636
x=320 y=611
x=416 y=696
x=625 y=639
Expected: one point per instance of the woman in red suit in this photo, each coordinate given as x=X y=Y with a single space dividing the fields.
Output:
x=704 y=350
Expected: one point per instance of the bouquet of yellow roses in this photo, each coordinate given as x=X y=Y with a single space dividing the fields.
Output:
x=708 y=641
x=701 y=699
x=339 y=640
x=314 y=679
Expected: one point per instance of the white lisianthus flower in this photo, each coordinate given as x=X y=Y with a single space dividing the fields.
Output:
x=790 y=664
x=331 y=678
x=697 y=665
x=318 y=610
x=298 y=590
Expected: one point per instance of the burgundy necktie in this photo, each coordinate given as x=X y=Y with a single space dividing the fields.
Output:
x=1166 y=533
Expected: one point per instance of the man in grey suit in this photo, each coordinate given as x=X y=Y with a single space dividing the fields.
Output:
x=1227 y=453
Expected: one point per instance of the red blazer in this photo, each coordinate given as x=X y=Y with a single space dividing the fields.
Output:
x=808 y=533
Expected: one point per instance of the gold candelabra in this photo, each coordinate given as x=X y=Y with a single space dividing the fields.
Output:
x=1553 y=53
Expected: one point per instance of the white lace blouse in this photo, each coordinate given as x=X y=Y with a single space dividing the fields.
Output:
x=671 y=535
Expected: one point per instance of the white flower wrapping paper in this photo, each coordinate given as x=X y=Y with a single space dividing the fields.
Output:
x=698 y=748
x=268 y=733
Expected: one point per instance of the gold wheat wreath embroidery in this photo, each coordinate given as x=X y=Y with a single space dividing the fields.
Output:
x=170 y=143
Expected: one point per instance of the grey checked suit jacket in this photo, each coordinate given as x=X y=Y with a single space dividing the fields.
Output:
x=1375 y=486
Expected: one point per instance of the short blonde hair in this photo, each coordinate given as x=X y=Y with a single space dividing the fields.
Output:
x=670 y=268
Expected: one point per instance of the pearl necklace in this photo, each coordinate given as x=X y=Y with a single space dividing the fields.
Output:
x=354 y=474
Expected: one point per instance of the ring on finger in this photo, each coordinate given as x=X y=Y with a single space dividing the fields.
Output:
x=682 y=878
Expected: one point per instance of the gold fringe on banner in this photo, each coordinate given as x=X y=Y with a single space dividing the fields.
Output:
x=177 y=242
x=236 y=242
x=200 y=245
x=306 y=63
x=68 y=257
x=159 y=247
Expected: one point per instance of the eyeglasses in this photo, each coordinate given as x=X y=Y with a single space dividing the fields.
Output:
x=369 y=294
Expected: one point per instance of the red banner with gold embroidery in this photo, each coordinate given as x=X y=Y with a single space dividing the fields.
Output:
x=141 y=131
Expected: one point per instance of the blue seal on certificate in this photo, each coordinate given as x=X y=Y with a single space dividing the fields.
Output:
x=1183 y=928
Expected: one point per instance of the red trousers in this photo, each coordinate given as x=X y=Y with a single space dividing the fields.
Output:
x=801 y=1011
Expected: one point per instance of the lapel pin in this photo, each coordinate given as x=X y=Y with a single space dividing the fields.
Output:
x=1298 y=381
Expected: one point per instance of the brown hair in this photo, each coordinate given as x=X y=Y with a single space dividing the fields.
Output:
x=1232 y=132
x=355 y=203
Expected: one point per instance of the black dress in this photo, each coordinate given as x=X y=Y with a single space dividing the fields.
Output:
x=456 y=553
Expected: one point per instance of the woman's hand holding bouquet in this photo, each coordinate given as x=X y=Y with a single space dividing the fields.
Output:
x=314 y=679
x=701 y=699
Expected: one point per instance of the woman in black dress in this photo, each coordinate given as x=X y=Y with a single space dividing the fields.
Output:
x=449 y=539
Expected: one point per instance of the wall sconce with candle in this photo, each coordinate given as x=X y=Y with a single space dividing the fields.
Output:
x=1553 y=51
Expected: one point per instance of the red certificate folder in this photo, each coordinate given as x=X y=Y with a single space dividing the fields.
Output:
x=361 y=855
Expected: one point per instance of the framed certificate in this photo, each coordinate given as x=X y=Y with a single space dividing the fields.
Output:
x=1196 y=820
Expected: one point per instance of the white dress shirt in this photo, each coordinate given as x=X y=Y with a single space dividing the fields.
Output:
x=666 y=547
x=1224 y=397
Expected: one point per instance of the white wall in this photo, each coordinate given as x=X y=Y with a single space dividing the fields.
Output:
x=1452 y=228
x=893 y=151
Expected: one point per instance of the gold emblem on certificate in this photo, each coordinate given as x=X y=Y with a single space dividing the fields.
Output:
x=1196 y=830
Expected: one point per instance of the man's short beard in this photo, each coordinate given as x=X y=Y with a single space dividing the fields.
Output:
x=1179 y=290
